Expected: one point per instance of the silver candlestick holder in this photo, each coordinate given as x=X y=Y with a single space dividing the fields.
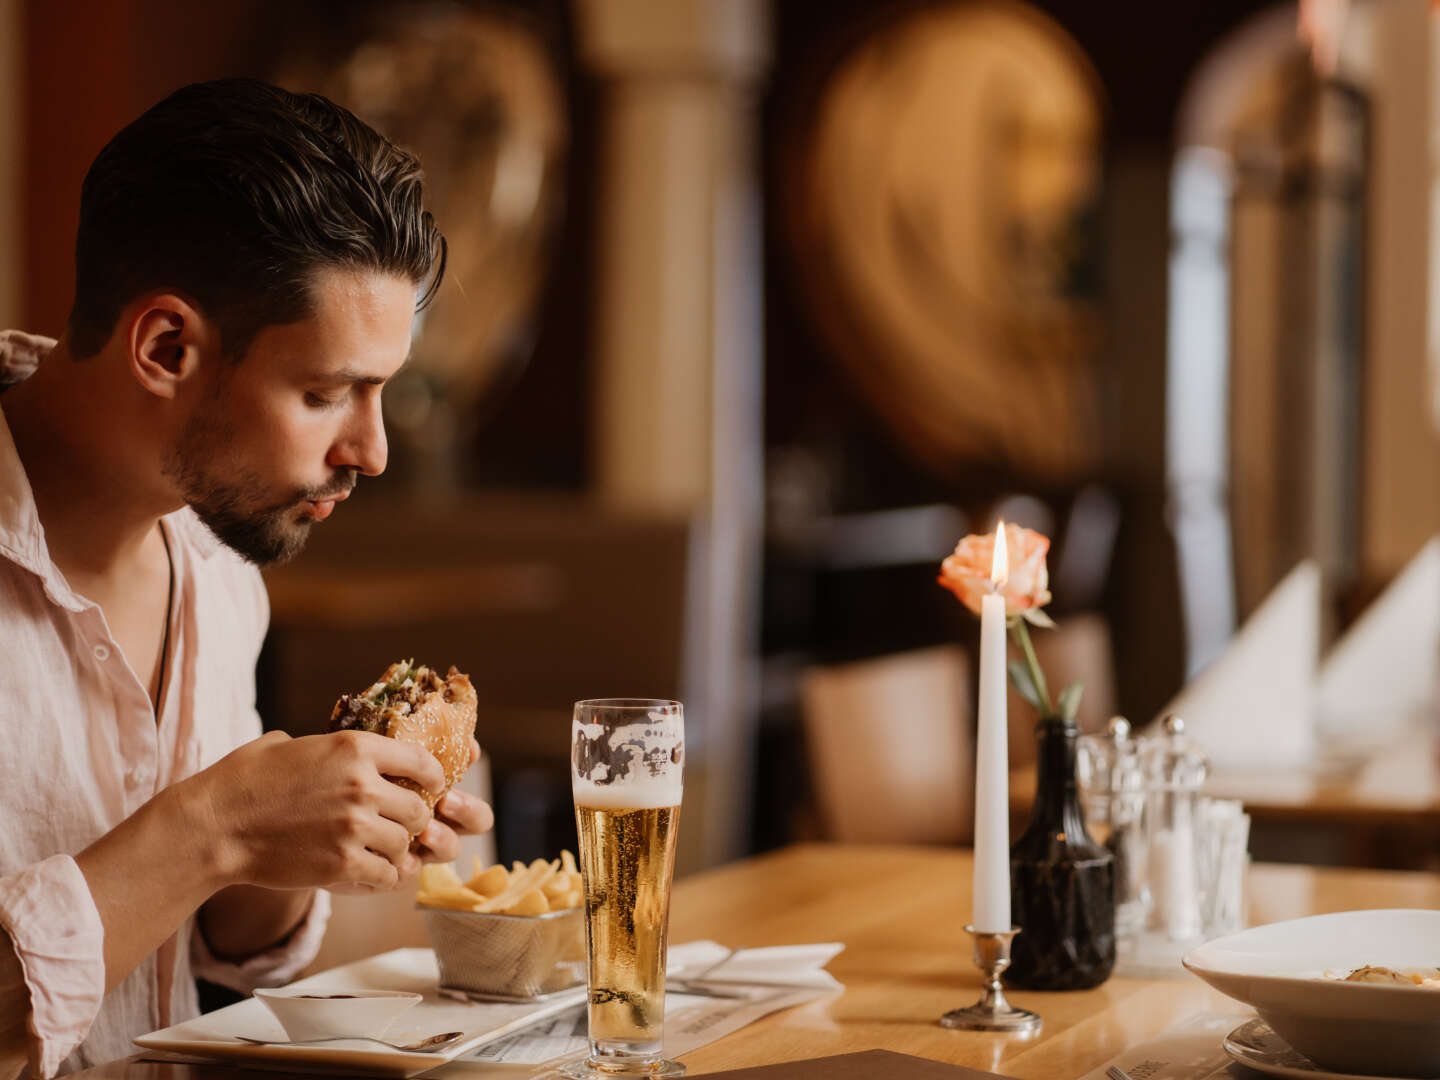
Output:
x=992 y=1012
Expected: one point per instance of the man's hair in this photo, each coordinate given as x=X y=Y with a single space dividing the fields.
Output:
x=233 y=193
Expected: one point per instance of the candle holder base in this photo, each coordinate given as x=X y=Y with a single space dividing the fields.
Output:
x=992 y=1012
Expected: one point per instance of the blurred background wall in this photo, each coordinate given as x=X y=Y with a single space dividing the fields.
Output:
x=755 y=308
x=11 y=97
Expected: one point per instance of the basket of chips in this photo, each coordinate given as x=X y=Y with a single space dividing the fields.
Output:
x=506 y=934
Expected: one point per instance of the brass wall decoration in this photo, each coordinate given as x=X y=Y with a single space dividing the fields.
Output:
x=474 y=91
x=941 y=207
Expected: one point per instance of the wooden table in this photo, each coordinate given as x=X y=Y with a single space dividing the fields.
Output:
x=900 y=912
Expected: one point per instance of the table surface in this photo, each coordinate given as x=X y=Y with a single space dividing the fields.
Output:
x=900 y=912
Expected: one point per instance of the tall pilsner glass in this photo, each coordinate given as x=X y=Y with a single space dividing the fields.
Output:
x=627 y=759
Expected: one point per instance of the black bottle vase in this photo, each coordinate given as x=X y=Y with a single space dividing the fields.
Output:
x=1062 y=892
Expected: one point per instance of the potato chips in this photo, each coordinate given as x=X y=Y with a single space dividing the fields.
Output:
x=542 y=887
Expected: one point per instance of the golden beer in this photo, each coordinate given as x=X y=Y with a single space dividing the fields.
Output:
x=627 y=858
x=627 y=775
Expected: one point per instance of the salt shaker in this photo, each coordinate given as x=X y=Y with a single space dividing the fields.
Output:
x=1113 y=784
x=1174 y=769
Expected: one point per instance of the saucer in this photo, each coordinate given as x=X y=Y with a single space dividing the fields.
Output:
x=1254 y=1045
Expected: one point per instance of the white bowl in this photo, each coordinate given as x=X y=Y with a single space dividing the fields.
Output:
x=336 y=1012
x=1280 y=970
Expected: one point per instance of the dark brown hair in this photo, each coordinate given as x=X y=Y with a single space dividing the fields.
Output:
x=233 y=193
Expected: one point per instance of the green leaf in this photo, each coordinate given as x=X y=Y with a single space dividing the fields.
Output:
x=1020 y=676
x=1070 y=700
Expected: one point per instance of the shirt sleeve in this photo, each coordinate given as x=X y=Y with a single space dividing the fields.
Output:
x=55 y=933
x=275 y=966
x=20 y=355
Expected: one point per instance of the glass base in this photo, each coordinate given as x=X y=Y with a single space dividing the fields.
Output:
x=588 y=1069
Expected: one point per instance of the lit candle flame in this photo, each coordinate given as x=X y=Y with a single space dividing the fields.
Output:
x=1000 y=561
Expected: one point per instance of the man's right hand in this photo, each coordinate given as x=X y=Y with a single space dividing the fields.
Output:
x=280 y=813
x=318 y=810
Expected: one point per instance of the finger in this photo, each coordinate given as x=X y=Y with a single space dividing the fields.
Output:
x=389 y=840
x=410 y=760
x=366 y=871
x=410 y=869
x=465 y=813
x=474 y=751
x=401 y=806
x=439 y=843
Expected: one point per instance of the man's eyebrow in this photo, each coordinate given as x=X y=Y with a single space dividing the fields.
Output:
x=350 y=376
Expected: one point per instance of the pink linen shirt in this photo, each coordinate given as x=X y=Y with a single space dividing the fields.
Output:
x=83 y=750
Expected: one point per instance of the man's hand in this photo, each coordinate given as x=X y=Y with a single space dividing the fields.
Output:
x=456 y=815
x=318 y=810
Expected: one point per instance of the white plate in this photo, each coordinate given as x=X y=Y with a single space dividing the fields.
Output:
x=1254 y=1045
x=1279 y=970
x=213 y=1035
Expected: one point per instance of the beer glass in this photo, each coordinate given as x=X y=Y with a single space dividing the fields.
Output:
x=627 y=760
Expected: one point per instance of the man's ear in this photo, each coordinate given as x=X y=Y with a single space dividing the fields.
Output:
x=168 y=339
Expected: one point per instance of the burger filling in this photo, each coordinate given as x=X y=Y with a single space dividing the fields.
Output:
x=373 y=710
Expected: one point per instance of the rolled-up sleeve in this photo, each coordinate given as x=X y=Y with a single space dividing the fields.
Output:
x=274 y=966
x=55 y=931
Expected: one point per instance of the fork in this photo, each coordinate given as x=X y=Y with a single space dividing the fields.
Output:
x=680 y=984
x=1114 y=1072
x=428 y=1045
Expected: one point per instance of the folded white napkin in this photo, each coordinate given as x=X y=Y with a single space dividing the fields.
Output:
x=1383 y=671
x=800 y=966
x=1253 y=707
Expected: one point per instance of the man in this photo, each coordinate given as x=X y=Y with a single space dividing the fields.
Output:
x=248 y=267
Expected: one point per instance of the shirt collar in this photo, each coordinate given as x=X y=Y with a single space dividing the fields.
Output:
x=197 y=534
x=22 y=537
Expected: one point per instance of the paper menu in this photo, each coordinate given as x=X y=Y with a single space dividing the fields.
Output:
x=866 y=1065
x=1191 y=1050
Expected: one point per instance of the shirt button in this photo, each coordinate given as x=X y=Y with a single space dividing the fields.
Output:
x=102 y=653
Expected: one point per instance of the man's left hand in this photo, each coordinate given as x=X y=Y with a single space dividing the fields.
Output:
x=456 y=815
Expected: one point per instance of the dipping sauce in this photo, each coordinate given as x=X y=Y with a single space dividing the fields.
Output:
x=325 y=997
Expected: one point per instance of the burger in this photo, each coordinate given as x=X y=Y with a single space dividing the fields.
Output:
x=413 y=703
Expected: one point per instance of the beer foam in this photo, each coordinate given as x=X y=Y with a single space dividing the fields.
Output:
x=636 y=766
x=649 y=795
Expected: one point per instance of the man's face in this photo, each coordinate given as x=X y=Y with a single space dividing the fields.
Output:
x=277 y=439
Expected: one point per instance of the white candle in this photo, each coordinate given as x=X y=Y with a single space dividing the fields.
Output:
x=991 y=884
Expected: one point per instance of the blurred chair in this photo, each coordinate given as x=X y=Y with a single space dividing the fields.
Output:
x=890 y=746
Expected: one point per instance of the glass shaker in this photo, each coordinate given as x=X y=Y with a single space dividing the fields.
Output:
x=1175 y=768
x=1112 y=785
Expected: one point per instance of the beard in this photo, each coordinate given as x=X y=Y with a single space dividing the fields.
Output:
x=234 y=502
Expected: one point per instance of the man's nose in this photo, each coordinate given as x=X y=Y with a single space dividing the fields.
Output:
x=362 y=444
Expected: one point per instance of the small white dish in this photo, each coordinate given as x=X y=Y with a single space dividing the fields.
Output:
x=318 y=1012
x=218 y=1034
x=1254 y=1045
x=1372 y=1029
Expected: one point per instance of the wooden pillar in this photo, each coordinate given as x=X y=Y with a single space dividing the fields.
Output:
x=678 y=415
x=1402 y=446
x=11 y=80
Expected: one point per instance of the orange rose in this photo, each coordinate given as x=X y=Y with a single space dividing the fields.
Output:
x=967 y=572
